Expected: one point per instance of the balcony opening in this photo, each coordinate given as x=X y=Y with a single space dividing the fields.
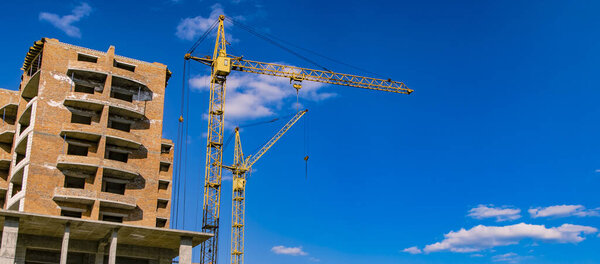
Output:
x=80 y=119
x=69 y=213
x=164 y=167
x=87 y=81
x=120 y=122
x=84 y=89
x=74 y=182
x=128 y=90
x=162 y=203
x=122 y=96
x=119 y=125
x=165 y=149
x=112 y=218
x=87 y=58
x=9 y=114
x=112 y=185
x=20 y=157
x=25 y=120
x=77 y=150
x=3 y=175
x=124 y=66
x=82 y=116
x=163 y=185
x=116 y=153
x=16 y=188
x=160 y=222
x=21 y=150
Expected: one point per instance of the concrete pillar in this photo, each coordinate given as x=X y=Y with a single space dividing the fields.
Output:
x=112 y=252
x=21 y=251
x=64 y=250
x=10 y=233
x=100 y=253
x=185 y=250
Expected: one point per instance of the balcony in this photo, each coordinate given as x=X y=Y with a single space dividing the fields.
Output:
x=87 y=81
x=86 y=66
x=88 y=197
x=123 y=139
x=84 y=101
x=7 y=133
x=31 y=88
x=129 y=75
x=118 y=201
x=72 y=195
x=127 y=109
x=81 y=131
x=9 y=112
x=13 y=201
x=18 y=172
x=119 y=169
x=88 y=165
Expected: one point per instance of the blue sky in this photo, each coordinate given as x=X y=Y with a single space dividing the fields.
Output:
x=493 y=158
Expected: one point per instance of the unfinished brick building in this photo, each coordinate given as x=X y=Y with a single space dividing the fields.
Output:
x=82 y=138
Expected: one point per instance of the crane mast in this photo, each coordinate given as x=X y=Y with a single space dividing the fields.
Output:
x=241 y=166
x=221 y=65
x=214 y=153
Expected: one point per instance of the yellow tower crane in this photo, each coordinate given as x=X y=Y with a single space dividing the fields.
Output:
x=240 y=167
x=221 y=65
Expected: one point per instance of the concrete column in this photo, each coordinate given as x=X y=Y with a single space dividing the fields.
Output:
x=112 y=252
x=21 y=251
x=185 y=250
x=10 y=233
x=100 y=253
x=64 y=250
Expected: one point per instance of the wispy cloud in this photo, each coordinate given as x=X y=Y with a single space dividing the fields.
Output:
x=292 y=251
x=509 y=258
x=500 y=213
x=257 y=96
x=412 y=250
x=485 y=237
x=563 y=211
x=65 y=23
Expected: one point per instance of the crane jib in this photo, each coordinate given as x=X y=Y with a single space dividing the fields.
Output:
x=319 y=76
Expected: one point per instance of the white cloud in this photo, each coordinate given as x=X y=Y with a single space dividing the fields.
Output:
x=192 y=27
x=65 y=23
x=292 y=251
x=500 y=213
x=508 y=258
x=412 y=250
x=484 y=237
x=251 y=96
x=563 y=211
x=314 y=259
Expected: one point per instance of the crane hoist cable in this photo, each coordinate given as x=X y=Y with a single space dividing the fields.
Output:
x=282 y=42
x=178 y=154
x=203 y=37
x=185 y=144
x=254 y=32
